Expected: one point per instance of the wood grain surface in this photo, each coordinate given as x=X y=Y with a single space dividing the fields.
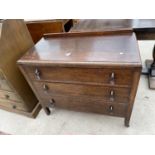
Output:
x=106 y=49
x=85 y=71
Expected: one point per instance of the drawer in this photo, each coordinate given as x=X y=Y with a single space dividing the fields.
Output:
x=10 y=96
x=85 y=75
x=4 y=85
x=86 y=104
x=13 y=105
x=110 y=94
x=3 y=82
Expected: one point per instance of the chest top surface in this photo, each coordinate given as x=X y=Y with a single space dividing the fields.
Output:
x=109 y=49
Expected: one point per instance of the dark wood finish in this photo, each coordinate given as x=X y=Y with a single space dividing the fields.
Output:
x=75 y=50
x=92 y=72
x=87 y=104
x=144 y=29
x=136 y=77
x=15 y=94
x=39 y=27
x=89 y=33
x=104 y=93
x=92 y=76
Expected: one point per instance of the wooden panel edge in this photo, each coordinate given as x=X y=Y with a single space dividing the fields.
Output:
x=32 y=114
x=97 y=33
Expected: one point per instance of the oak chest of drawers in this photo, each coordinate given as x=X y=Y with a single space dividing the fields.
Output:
x=15 y=93
x=90 y=71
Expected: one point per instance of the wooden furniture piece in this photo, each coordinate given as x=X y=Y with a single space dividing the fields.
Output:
x=38 y=28
x=15 y=94
x=92 y=72
x=144 y=29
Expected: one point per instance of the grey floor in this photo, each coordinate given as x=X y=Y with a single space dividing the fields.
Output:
x=69 y=122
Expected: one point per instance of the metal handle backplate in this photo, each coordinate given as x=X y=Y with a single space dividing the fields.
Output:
x=111 y=108
x=37 y=74
x=112 y=78
x=112 y=95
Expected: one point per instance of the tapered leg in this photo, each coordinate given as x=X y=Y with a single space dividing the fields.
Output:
x=126 y=122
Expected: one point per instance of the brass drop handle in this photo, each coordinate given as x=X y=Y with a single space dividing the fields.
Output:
x=14 y=107
x=37 y=74
x=112 y=95
x=45 y=87
x=111 y=108
x=112 y=78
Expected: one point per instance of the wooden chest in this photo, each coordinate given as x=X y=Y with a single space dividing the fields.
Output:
x=15 y=94
x=90 y=71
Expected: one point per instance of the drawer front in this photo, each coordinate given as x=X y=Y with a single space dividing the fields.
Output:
x=10 y=96
x=86 y=75
x=86 y=104
x=4 y=85
x=108 y=94
x=13 y=105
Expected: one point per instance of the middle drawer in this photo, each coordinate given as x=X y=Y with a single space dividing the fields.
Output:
x=109 y=94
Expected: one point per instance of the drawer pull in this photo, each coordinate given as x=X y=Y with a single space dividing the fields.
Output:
x=112 y=95
x=52 y=101
x=37 y=74
x=7 y=96
x=111 y=108
x=112 y=78
x=45 y=87
x=14 y=107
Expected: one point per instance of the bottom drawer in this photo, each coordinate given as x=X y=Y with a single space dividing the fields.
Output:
x=85 y=104
x=13 y=105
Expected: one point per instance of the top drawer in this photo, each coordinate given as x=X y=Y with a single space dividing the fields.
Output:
x=86 y=75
